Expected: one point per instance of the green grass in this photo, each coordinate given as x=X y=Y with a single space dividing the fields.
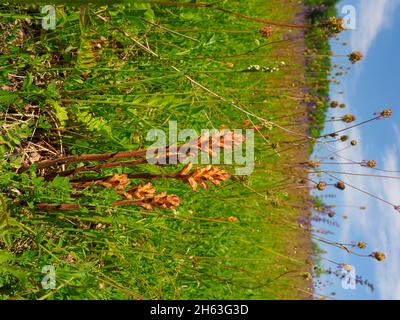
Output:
x=95 y=91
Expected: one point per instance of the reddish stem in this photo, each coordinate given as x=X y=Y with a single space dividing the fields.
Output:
x=212 y=6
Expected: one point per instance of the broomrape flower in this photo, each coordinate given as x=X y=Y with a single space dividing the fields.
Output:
x=163 y=200
x=348 y=118
x=355 y=56
x=200 y=175
x=368 y=163
x=145 y=196
x=224 y=139
x=140 y=192
x=117 y=181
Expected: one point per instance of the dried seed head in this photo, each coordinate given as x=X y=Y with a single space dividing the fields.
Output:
x=340 y=185
x=311 y=164
x=355 y=56
x=361 y=245
x=344 y=138
x=334 y=26
x=321 y=186
x=387 y=113
x=380 y=256
x=348 y=118
x=354 y=143
x=266 y=32
x=334 y=104
x=369 y=163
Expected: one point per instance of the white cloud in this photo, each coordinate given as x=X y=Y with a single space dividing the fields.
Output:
x=373 y=17
x=379 y=225
x=388 y=225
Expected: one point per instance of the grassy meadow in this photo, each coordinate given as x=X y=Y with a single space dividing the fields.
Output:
x=97 y=84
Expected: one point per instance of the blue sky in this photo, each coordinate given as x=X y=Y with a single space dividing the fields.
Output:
x=371 y=86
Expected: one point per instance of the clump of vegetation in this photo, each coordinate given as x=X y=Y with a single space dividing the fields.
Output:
x=80 y=193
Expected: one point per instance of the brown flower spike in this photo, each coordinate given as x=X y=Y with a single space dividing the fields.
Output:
x=200 y=175
x=220 y=140
x=117 y=181
x=145 y=197
x=140 y=191
x=162 y=201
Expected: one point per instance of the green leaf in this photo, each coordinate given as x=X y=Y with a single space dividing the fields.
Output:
x=149 y=15
x=61 y=112
x=4 y=214
x=51 y=90
x=7 y=97
x=5 y=256
x=28 y=81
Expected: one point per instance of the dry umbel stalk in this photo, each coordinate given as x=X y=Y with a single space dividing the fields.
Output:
x=209 y=143
x=198 y=176
x=141 y=195
x=332 y=26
